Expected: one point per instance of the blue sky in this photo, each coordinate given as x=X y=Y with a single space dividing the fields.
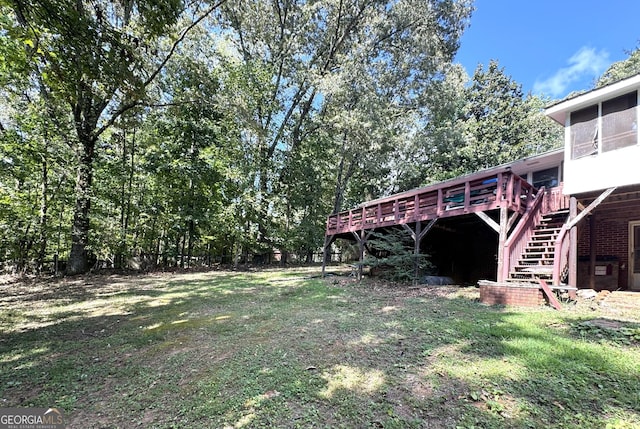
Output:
x=551 y=47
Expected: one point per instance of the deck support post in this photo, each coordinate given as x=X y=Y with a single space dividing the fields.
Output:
x=573 y=243
x=502 y=239
x=417 y=236
x=361 y=237
x=501 y=228
x=416 y=252
x=328 y=239
x=592 y=252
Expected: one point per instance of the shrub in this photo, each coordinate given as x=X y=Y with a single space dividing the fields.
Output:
x=390 y=254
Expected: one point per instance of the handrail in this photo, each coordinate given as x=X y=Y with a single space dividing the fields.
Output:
x=559 y=251
x=460 y=196
x=515 y=244
x=556 y=200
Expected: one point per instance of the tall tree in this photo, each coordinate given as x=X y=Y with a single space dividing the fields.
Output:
x=33 y=184
x=322 y=100
x=482 y=122
x=100 y=58
x=334 y=68
x=438 y=142
x=494 y=111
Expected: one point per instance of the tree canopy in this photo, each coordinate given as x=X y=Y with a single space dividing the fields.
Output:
x=621 y=69
x=174 y=133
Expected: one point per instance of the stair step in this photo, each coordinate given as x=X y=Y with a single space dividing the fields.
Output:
x=537 y=259
x=534 y=262
x=540 y=242
x=543 y=230
x=562 y=212
x=535 y=269
x=556 y=220
x=539 y=248
x=532 y=276
x=544 y=235
x=525 y=275
x=524 y=282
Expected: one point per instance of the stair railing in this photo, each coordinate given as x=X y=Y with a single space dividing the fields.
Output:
x=555 y=199
x=517 y=241
x=561 y=254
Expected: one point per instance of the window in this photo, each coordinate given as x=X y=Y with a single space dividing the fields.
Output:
x=619 y=122
x=547 y=178
x=616 y=128
x=584 y=132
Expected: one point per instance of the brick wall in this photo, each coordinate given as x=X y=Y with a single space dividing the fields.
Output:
x=612 y=236
x=511 y=295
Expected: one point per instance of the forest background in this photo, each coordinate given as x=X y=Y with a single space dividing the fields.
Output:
x=180 y=133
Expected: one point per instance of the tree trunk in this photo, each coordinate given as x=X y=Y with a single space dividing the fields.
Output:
x=79 y=257
x=165 y=250
x=345 y=172
x=123 y=228
x=190 y=243
x=154 y=242
x=43 y=216
x=178 y=253
x=127 y=214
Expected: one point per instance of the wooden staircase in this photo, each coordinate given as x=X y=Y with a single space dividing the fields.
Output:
x=536 y=261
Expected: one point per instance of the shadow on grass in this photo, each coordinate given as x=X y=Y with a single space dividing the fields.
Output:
x=254 y=350
x=520 y=364
x=62 y=340
x=497 y=367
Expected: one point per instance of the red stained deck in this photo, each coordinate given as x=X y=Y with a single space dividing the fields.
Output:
x=470 y=194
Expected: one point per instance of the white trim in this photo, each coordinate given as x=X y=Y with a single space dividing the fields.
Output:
x=559 y=112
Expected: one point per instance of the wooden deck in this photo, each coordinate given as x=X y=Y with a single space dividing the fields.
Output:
x=470 y=194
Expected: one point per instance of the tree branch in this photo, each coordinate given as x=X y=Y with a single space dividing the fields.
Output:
x=133 y=103
x=179 y=40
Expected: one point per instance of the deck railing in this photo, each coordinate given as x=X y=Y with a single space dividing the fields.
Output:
x=546 y=201
x=555 y=200
x=561 y=254
x=453 y=198
x=517 y=241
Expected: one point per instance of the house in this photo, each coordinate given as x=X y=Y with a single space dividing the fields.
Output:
x=569 y=216
x=602 y=179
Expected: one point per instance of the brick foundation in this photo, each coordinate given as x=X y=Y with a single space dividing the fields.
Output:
x=522 y=296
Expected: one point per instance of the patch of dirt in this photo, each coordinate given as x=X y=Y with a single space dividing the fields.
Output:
x=389 y=289
x=605 y=323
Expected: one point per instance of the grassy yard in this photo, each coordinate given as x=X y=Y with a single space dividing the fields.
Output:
x=286 y=349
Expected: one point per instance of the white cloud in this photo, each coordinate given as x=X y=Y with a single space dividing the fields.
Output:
x=587 y=63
